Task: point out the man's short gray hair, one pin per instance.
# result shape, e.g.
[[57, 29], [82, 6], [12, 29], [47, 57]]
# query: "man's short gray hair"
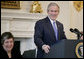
[[52, 4]]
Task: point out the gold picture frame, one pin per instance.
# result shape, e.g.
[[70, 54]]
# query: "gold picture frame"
[[10, 4]]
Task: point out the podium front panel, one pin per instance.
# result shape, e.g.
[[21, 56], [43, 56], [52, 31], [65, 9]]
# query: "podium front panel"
[[63, 49]]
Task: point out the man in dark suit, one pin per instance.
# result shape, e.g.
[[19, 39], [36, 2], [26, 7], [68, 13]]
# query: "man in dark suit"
[[45, 35]]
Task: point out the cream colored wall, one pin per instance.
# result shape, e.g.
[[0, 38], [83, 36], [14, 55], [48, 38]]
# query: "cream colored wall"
[[76, 19], [68, 14]]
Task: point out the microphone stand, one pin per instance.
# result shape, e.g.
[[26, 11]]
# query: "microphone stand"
[[78, 36]]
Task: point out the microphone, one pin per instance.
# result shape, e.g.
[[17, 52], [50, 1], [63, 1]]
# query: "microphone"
[[76, 31], [71, 30]]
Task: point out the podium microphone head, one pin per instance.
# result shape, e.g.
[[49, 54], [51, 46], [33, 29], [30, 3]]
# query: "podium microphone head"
[[71, 30], [76, 30]]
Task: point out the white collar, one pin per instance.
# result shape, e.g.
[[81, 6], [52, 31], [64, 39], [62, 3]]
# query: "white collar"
[[51, 21]]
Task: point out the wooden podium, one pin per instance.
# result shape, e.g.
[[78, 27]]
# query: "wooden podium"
[[66, 49]]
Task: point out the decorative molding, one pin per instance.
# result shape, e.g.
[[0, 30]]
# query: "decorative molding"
[[33, 16], [20, 24], [78, 5]]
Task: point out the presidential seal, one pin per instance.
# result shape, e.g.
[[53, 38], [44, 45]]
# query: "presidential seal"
[[79, 50]]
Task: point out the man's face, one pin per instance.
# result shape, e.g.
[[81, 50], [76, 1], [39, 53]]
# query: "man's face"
[[53, 12]]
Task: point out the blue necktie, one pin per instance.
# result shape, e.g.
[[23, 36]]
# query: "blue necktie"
[[55, 30]]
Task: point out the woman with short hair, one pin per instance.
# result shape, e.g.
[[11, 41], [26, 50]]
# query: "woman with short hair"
[[7, 50]]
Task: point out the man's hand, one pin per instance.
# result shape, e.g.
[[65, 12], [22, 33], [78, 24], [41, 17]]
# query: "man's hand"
[[46, 48]]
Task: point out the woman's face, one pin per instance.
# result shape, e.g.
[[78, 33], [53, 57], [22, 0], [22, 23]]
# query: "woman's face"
[[8, 44]]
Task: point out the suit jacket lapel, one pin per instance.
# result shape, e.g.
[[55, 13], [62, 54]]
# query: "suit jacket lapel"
[[58, 26], [50, 28]]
